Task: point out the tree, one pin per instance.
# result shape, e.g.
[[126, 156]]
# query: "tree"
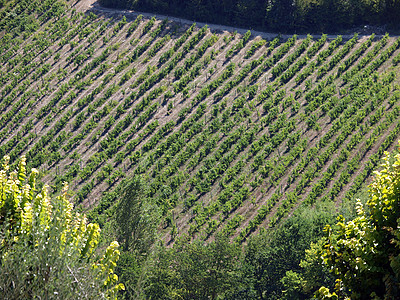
[[270, 255], [194, 270], [136, 218], [136, 222], [48, 250], [314, 274], [280, 14], [364, 254]]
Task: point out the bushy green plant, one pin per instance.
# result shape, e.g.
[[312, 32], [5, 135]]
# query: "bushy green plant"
[[46, 249], [364, 253]]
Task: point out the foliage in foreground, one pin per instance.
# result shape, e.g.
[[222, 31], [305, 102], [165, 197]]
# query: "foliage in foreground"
[[46, 249], [364, 254]]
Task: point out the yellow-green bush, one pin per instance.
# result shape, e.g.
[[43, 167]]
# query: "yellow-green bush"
[[47, 249], [364, 253]]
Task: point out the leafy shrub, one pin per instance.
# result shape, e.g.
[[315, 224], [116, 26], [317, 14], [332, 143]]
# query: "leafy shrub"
[[47, 249]]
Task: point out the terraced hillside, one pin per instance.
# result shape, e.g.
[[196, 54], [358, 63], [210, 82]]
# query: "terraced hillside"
[[232, 132]]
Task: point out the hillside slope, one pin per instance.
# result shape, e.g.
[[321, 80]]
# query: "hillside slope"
[[231, 132]]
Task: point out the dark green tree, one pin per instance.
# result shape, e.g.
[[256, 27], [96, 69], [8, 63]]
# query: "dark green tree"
[[194, 270], [136, 218], [269, 255], [136, 222], [280, 15]]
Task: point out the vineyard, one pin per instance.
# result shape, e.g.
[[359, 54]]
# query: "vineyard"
[[231, 132]]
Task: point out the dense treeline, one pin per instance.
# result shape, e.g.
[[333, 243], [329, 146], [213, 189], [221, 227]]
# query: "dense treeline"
[[277, 15]]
